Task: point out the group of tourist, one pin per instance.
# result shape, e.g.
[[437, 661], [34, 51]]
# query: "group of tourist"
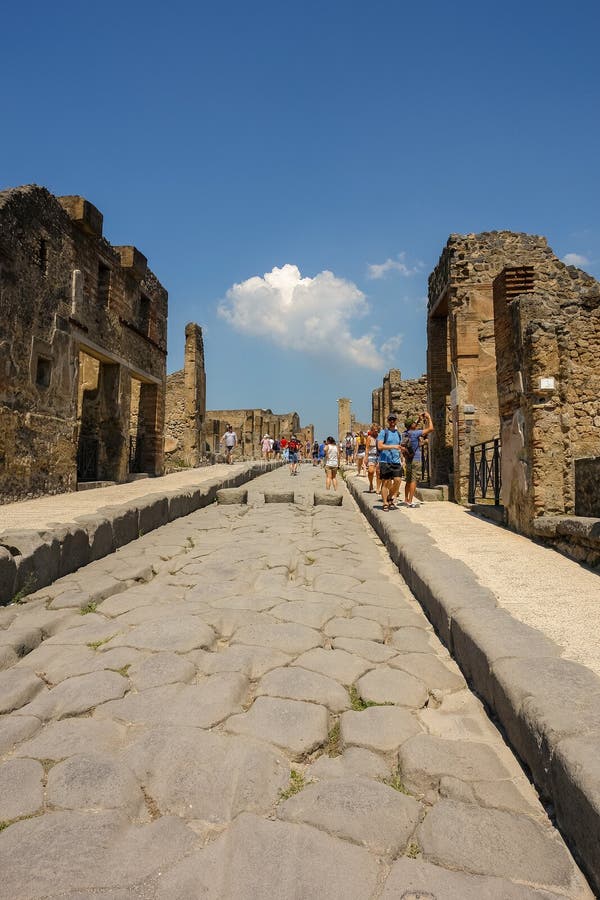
[[382, 455]]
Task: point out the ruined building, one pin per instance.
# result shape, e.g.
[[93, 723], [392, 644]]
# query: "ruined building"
[[83, 329], [251, 425], [185, 416], [395, 395], [514, 353]]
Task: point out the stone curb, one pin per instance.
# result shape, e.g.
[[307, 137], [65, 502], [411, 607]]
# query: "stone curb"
[[549, 707], [30, 560]]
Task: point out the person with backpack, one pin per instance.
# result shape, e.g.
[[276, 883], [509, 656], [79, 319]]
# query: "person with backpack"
[[390, 462], [293, 450], [411, 442], [349, 447]]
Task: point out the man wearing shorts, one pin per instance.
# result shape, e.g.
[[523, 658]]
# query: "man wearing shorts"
[[294, 450], [390, 461], [230, 441]]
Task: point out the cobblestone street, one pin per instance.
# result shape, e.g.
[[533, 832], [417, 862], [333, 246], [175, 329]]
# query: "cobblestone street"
[[249, 703]]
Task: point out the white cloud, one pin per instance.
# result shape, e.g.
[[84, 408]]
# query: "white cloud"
[[380, 270], [575, 259], [310, 315]]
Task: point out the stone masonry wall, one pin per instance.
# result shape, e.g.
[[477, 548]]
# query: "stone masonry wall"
[[250, 425], [402, 397], [461, 355], [185, 439], [64, 291], [548, 344]]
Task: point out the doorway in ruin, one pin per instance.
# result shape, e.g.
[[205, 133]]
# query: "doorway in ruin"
[[99, 441], [143, 429]]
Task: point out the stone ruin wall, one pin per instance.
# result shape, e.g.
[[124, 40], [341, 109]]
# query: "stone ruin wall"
[[402, 397], [185, 419], [461, 352], [550, 434], [67, 295]]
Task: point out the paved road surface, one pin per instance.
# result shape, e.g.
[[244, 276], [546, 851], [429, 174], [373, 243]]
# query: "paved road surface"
[[252, 705]]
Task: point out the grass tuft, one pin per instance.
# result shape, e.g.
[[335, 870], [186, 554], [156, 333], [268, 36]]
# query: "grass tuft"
[[123, 670], [413, 851], [333, 746], [90, 608], [357, 702], [297, 782], [93, 645], [395, 781], [28, 588]]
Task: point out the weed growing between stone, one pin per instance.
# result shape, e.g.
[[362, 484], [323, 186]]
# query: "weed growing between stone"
[[395, 781], [28, 588], [93, 645], [413, 851], [297, 783], [333, 748], [123, 670], [90, 608], [358, 704]]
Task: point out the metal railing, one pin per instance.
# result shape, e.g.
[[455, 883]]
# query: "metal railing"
[[425, 472], [136, 453], [484, 471]]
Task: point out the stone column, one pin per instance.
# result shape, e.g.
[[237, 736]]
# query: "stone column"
[[344, 417], [195, 395]]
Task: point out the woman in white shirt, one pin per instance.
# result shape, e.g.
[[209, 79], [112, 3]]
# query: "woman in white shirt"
[[332, 462]]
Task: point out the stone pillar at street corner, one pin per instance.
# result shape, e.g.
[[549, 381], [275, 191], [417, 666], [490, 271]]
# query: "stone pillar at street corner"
[[194, 395], [344, 417]]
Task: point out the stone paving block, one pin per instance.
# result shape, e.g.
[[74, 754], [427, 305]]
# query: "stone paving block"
[[21, 788], [181, 635], [55, 663], [335, 584], [338, 664], [314, 614], [354, 761], [230, 496], [73, 599], [161, 668], [460, 717], [387, 685], [380, 728], [389, 617], [417, 880], [295, 683], [20, 640], [37, 560], [227, 622], [496, 842], [94, 781], [17, 687], [74, 546], [519, 797], [294, 726], [414, 640], [382, 819], [8, 656], [76, 695], [202, 705], [279, 496], [207, 777], [249, 860], [384, 594], [252, 662], [14, 730], [37, 857], [354, 628], [438, 674], [124, 522], [370, 650], [94, 630], [289, 638], [424, 759], [59, 740], [251, 602]]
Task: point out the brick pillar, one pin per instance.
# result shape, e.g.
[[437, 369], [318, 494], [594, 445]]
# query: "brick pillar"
[[344, 417], [194, 395], [376, 406]]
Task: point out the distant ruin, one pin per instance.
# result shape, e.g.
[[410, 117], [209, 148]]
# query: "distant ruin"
[[83, 329], [408, 397], [185, 415], [251, 425]]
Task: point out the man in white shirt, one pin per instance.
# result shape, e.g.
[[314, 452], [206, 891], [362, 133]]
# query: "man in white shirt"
[[229, 439]]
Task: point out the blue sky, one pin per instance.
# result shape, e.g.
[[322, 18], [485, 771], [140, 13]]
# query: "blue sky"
[[228, 141]]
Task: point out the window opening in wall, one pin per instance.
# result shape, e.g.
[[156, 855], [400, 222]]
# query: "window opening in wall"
[[143, 322], [43, 256], [43, 371], [103, 284]]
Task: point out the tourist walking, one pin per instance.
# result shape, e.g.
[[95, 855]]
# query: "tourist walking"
[[266, 446], [229, 440], [332, 463], [349, 447], [315, 453], [293, 451], [322, 452], [371, 460], [390, 462], [413, 456], [361, 449]]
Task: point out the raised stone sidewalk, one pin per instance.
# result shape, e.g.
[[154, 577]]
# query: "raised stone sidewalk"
[[46, 538], [246, 703], [522, 622]]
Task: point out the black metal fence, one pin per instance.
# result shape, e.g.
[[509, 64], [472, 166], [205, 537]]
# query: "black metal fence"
[[136, 451], [425, 473], [484, 472]]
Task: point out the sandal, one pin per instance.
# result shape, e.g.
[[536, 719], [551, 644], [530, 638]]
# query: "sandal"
[[385, 507]]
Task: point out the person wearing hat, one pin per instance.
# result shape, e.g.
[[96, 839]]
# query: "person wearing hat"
[[390, 461]]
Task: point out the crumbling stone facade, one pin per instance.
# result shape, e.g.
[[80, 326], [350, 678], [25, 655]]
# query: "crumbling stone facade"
[[461, 352], [83, 329], [344, 417], [185, 438], [395, 395], [547, 330]]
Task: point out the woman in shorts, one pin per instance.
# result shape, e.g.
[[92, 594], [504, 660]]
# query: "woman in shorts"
[[332, 462], [361, 449], [371, 458]]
